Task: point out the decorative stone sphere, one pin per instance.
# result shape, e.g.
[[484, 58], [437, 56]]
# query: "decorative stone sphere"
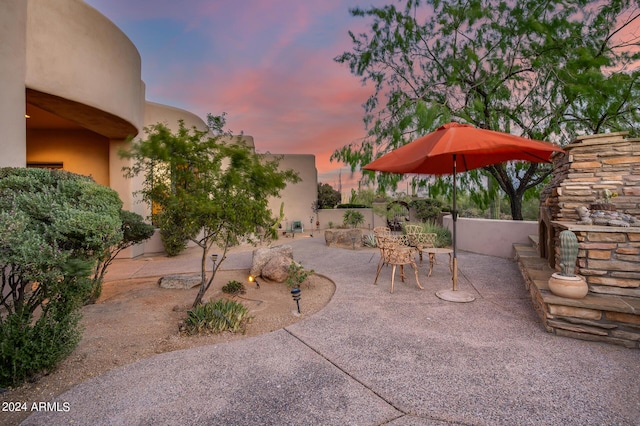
[[570, 287]]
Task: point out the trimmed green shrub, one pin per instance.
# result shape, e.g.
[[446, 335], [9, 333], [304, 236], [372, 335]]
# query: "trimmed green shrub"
[[234, 287], [172, 234], [54, 226], [29, 351], [217, 316], [297, 275], [351, 206]]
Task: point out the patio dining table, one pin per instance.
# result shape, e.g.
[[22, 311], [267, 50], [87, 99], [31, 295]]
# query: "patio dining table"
[[424, 242], [432, 251]]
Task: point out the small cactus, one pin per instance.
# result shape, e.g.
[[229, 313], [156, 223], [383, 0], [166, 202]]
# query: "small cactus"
[[568, 253]]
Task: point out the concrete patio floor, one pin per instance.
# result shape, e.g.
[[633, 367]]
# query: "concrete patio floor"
[[373, 358]]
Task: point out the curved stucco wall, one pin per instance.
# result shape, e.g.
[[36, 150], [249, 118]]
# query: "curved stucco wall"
[[13, 16], [76, 53], [157, 113]]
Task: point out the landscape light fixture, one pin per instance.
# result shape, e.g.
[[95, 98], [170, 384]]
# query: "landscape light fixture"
[[295, 293], [214, 259], [253, 279], [353, 242]]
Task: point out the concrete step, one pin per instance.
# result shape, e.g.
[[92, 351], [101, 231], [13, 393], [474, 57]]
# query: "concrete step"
[[525, 250]]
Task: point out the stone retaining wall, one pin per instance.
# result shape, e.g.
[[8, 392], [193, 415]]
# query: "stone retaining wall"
[[608, 258], [346, 238]]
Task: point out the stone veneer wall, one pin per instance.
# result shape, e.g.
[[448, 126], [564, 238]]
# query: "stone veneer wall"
[[591, 165], [608, 258]]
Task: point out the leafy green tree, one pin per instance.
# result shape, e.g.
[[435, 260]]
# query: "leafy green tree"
[[215, 190], [364, 197], [427, 210], [328, 197], [548, 70], [53, 227]]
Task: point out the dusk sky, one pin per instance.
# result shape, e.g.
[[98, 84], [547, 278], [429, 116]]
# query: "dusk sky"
[[267, 63]]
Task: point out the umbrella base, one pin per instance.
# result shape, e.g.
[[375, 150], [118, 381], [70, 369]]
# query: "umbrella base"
[[455, 296]]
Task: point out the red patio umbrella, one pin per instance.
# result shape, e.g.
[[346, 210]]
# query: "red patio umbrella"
[[457, 147]]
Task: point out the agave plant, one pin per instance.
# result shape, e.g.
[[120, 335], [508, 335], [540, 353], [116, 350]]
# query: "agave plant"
[[369, 240], [217, 316]]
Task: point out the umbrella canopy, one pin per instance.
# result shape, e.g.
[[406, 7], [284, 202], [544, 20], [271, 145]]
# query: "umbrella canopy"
[[457, 147], [432, 154]]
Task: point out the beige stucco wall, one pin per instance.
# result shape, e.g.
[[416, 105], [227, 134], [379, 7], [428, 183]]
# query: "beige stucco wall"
[[336, 217], [80, 151], [76, 53], [13, 17], [155, 113], [299, 197], [491, 237]]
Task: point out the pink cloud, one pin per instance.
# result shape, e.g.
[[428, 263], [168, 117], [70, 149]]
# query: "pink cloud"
[[268, 64], [296, 112]]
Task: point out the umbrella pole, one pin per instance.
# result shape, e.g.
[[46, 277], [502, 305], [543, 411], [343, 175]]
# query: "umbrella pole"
[[455, 295], [454, 275]]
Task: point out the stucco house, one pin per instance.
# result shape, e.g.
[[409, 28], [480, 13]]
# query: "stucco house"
[[72, 94]]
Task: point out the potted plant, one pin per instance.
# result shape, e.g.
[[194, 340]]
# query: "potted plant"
[[566, 283]]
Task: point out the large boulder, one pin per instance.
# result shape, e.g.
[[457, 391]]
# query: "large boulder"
[[277, 268], [263, 255], [343, 237], [180, 281]]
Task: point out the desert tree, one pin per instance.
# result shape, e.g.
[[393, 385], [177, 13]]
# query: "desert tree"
[[548, 70], [209, 183], [328, 197]]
